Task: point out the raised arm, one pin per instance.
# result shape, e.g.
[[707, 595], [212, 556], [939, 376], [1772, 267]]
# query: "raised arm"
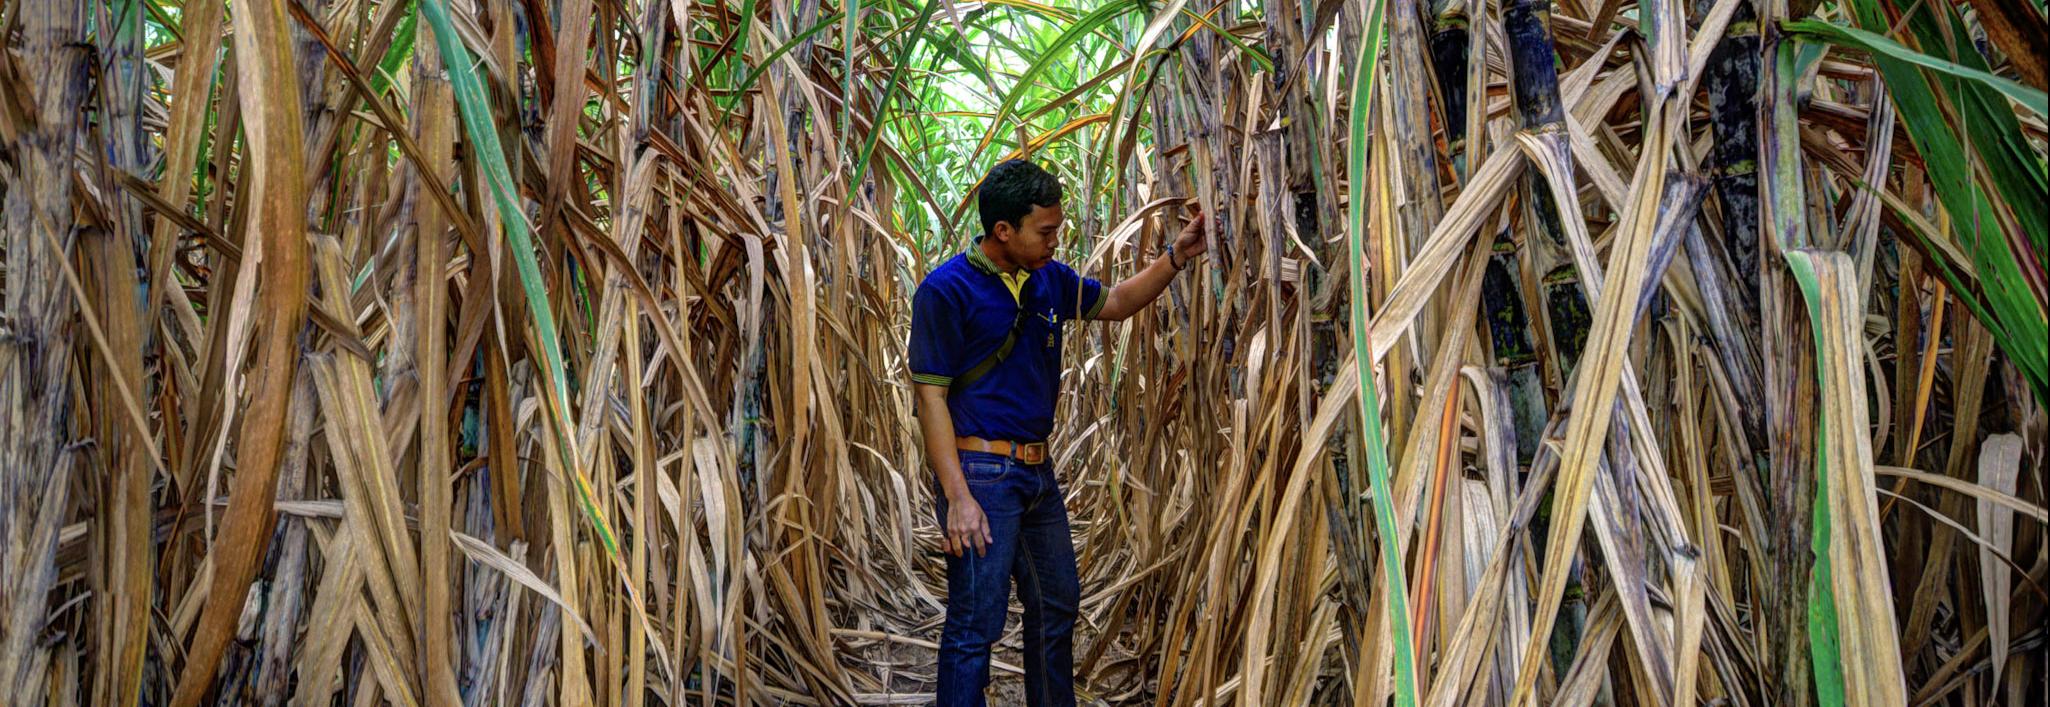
[[1133, 294]]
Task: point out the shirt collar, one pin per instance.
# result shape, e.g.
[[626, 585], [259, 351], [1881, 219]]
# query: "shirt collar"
[[1013, 281], [982, 262]]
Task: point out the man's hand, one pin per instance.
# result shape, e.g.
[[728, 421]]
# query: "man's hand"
[[966, 528], [1130, 296], [1193, 240]]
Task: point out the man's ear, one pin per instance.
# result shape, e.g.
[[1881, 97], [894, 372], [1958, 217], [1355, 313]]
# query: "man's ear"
[[1002, 231]]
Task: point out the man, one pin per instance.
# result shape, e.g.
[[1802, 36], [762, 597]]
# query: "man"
[[986, 364]]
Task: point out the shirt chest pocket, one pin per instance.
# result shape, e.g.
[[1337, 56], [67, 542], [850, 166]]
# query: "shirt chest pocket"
[[1040, 327]]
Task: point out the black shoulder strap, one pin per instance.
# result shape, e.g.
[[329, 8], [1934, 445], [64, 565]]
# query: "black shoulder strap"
[[983, 368]]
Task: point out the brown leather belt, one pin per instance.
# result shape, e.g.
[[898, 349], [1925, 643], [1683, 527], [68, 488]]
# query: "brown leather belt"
[[1030, 453]]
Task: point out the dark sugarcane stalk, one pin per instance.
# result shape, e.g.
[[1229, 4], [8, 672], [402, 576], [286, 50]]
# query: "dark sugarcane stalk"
[[1569, 318], [1731, 82], [1502, 298], [1534, 82], [1450, 51], [1509, 332], [1534, 73]]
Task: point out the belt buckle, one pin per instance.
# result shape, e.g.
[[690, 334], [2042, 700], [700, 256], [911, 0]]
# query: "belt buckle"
[[1033, 453]]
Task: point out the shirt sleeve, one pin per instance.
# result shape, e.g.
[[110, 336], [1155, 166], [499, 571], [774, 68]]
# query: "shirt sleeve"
[[936, 337], [1080, 297]]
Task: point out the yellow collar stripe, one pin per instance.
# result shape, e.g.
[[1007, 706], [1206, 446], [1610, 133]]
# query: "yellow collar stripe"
[[1016, 282]]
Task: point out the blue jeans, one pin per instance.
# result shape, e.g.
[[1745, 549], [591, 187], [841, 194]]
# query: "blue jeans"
[[1029, 523]]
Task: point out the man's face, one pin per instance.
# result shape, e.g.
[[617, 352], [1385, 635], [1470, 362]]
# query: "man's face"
[[1031, 244]]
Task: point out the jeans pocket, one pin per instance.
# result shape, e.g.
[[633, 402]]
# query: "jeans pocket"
[[982, 472]]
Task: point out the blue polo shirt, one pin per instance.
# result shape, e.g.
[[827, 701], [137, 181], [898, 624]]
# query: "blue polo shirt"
[[961, 315]]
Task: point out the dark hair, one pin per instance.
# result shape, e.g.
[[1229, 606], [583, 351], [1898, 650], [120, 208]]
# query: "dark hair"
[[1011, 189]]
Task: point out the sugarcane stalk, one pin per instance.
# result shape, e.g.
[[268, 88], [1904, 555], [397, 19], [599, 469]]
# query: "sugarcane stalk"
[[1731, 301], [288, 587], [36, 228], [1409, 91], [1509, 334], [1790, 392], [1566, 316], [1534, 82], [1570, 280], [1533, 68], [1731, 83], [1450, 45], [122, 535]]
